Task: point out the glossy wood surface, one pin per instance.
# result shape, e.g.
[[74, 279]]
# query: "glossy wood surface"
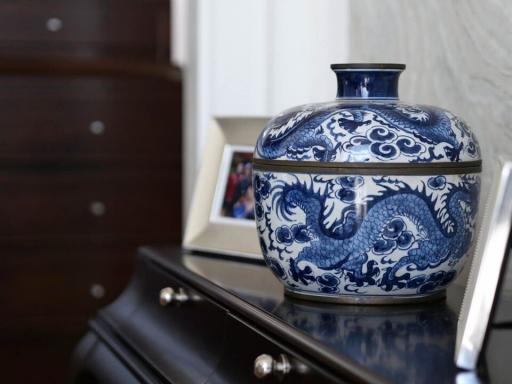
[[94, 28], [200, 340], [52, 118], [46, 303], [341, 343], [90, 166], [128, 204]]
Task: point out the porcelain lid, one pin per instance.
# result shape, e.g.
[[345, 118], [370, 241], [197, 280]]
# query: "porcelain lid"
[[367, 132], [368, 124]]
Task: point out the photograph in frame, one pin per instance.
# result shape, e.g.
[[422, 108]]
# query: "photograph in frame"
[[234, 198]]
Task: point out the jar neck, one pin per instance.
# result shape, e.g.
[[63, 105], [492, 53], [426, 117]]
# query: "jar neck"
[[369, 84]]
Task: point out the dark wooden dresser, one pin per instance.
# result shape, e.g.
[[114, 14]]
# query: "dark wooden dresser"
[[198, 318], [90, 166]]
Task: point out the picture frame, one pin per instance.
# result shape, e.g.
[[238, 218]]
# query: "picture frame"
[[216, 214], [487, 271], [215, 222]]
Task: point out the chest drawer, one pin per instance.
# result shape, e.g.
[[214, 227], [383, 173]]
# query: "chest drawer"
[[115, 28], [42, 287], [248, 353], [185, 338], [124, 204], [90, 118]]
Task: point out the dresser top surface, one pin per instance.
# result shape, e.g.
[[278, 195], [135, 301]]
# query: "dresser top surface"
[[398, 343]]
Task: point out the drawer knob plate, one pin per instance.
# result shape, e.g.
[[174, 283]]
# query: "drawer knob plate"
[[265, 365]]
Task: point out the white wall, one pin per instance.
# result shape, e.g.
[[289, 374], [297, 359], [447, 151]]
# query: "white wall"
[[255, 58], [458, 56]]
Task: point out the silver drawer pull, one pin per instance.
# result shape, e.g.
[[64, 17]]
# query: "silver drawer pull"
[[265, 365], [168, 295], [54, 24]]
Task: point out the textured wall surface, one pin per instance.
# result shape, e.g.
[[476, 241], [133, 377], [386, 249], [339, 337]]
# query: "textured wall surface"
[[458, 56]]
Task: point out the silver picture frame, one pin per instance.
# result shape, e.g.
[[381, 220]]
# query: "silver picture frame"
[[206, 230], [488, 261]]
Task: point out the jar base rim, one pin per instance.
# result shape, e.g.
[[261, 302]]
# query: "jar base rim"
[[366, 299]]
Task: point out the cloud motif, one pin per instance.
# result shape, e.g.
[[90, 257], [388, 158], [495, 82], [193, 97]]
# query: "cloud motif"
[[394, 235], [386, 151], [261, 187], [301, 233], [328, 283], [394, 229], [437, 182], [405, 240], [258, 209], [381, 135], [427, 283], [298, 233], [384, 246], [284, 235], [473, 149], [346, 195], [349, 184], [384, 144], [276, 267], [409, 147]]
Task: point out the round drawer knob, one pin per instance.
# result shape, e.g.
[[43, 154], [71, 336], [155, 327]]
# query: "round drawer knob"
[[97, 127], [265, 365], [54, 24], [97, 291], [97, 208], [168, 295]]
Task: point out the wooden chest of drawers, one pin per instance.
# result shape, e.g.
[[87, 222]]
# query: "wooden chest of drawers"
[[90, 165], [232, 323], [136, 30], [204, 339], [128, 204], [83, 118]]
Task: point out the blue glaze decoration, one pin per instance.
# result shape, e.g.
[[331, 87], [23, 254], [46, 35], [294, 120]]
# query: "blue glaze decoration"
[[374, 84], [397, 234], [367, 132], [359, 234]]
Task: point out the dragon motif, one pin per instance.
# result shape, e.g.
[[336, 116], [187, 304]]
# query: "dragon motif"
[[318, 132], [431, 226], [428, 124], [295, 134]]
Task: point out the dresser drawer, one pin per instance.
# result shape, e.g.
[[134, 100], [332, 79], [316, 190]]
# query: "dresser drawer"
[[141, 205], [44, 288], [90, 118], [243, 357], [185, 338], [137, 29]]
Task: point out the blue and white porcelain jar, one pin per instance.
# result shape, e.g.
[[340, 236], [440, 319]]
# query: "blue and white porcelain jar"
[[366, 199]]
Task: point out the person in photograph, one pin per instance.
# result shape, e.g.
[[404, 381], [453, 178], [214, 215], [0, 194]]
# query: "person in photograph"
[[232, 188], [244, 207], [239, 198]]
